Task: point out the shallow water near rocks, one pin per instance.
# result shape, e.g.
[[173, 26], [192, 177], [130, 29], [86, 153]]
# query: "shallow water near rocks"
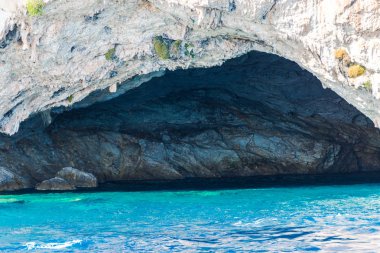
[[288, 219]]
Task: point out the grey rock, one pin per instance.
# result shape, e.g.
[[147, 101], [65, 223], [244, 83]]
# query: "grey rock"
[[78, 178], [308, 32], [226, 121], [9, 181], [55, 184]]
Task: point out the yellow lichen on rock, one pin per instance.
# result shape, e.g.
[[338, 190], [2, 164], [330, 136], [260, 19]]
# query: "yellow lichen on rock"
[[355, 71], [340, 54]]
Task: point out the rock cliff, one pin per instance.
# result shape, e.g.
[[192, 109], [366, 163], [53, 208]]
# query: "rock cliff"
[[224, 121], [59, 54], [94, 83]]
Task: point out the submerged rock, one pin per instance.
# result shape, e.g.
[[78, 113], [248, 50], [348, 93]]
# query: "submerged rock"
[[55, 184], [78, 178], [9, 181]]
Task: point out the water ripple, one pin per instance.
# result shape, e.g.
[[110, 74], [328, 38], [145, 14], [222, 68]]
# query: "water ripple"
[[303, 219]]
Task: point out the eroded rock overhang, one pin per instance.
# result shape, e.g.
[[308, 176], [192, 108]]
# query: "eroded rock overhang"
[[77, 47], [226, 121]]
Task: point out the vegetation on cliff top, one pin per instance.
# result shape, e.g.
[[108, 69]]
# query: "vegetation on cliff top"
[[35, 7]]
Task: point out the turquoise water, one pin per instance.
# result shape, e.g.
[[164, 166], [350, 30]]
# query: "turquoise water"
[[302, 219]]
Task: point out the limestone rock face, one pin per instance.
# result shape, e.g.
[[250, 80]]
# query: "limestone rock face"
[[226, 121], [259, 115], [78, 178], [76, 48], [55, 184], [9, 181]]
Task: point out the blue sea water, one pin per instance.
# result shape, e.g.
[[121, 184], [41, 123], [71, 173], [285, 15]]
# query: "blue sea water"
[[288, 219]]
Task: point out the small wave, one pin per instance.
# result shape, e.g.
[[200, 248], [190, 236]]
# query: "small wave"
[[254, 223], [11, 201], [64, 245]]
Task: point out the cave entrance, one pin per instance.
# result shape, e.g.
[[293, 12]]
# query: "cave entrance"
[[258, 114], [255, 115]]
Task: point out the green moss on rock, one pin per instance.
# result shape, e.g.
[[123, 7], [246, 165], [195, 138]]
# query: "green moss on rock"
[[35, 7], [368, 85], [189, 50], [70, 98], [177, 45], [110, 54], [161, 48]]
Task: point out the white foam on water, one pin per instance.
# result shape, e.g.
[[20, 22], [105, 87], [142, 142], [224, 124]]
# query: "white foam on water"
[[64, 245], [254, 223]]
